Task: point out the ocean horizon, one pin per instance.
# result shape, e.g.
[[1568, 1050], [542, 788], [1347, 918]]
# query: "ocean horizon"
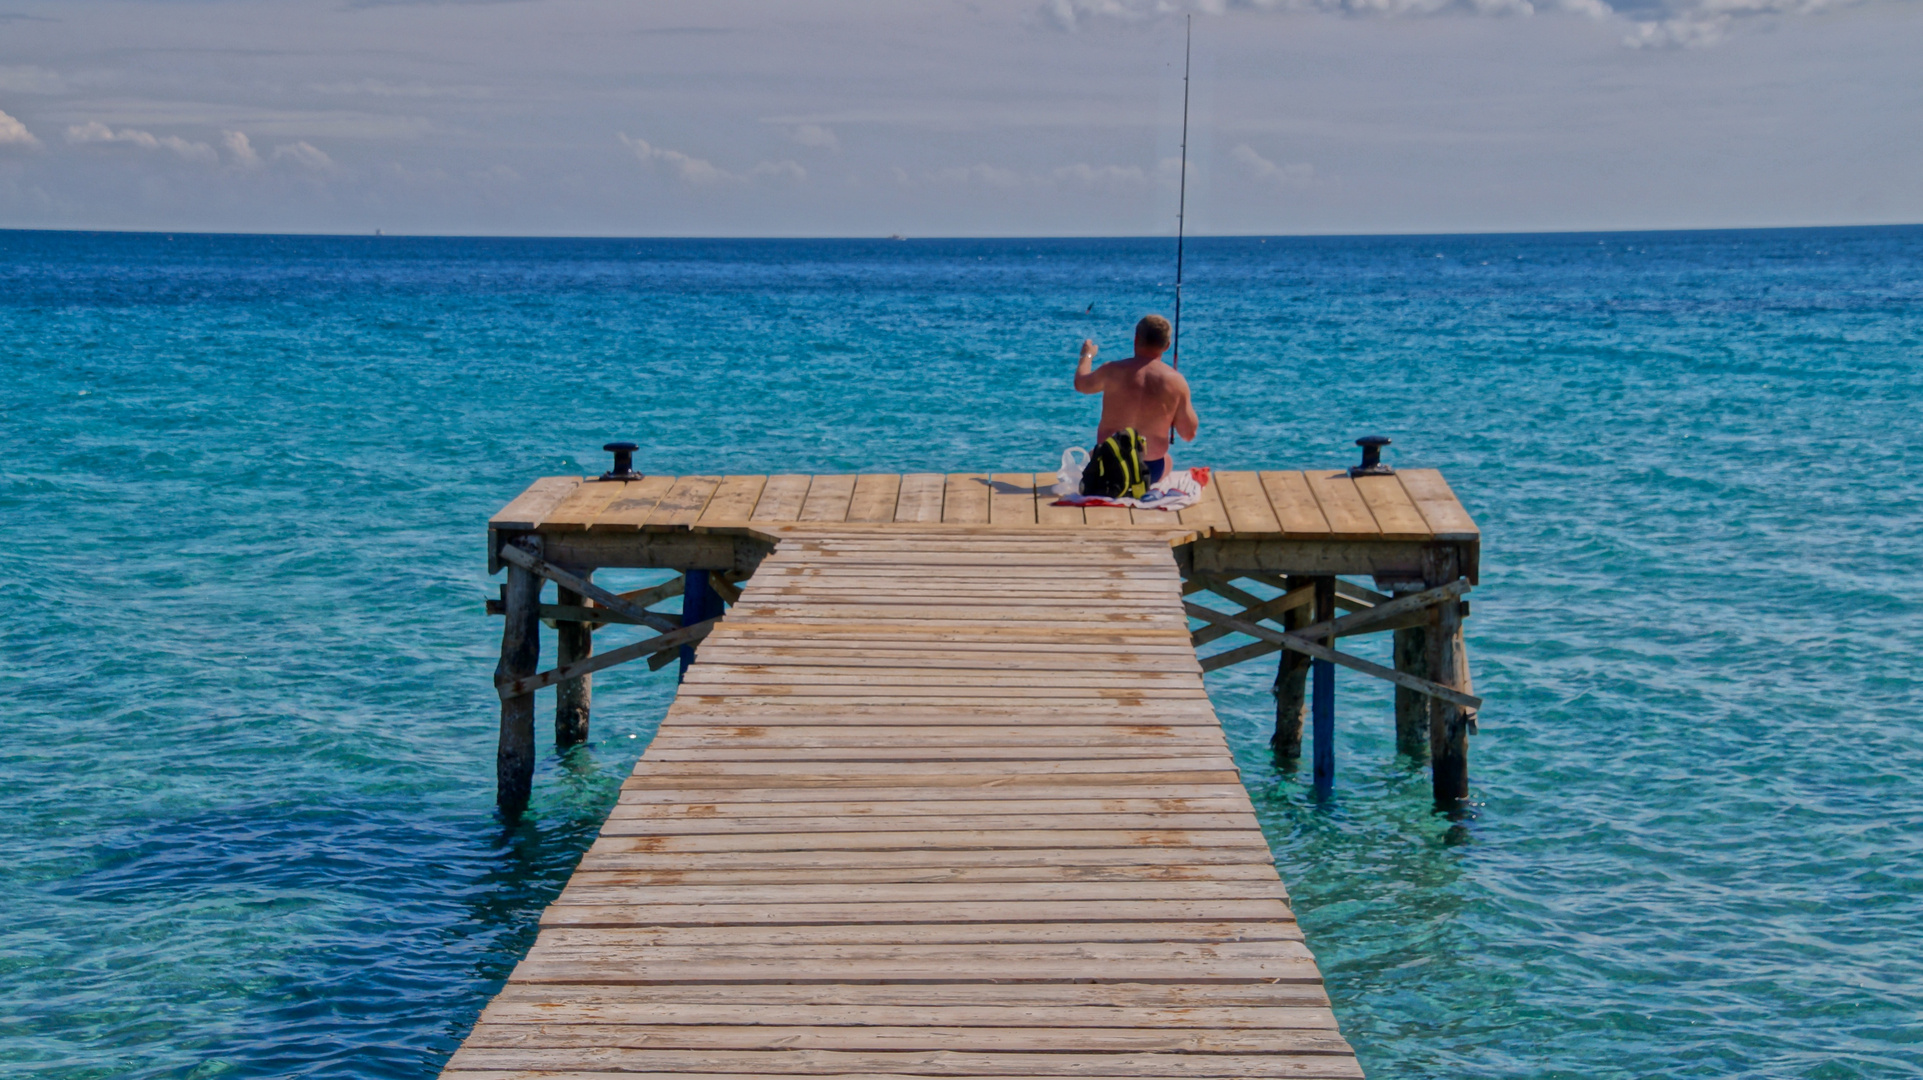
[[247, 706]]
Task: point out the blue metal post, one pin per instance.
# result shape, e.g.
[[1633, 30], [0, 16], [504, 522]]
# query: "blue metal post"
[[1322, 696], [698, 604]]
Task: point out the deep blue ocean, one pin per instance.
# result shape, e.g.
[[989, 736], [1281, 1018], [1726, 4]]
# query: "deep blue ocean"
[[246, 720]]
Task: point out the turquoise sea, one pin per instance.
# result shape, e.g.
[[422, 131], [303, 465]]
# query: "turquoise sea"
[[247, 728]]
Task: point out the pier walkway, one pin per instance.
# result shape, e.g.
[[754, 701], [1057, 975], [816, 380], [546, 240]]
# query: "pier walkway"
[[942, 793], [930, 803]]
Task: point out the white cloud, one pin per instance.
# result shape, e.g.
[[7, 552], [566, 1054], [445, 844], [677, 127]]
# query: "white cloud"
[[815, 135], [701, 171], [307, 156], [1080, 175], [1298, 174], [1653, 23], [240, 149], [94, 131], [1088, 175], [15, 136]]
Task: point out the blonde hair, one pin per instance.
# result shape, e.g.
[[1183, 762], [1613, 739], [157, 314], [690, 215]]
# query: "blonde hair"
[[1153, 331]]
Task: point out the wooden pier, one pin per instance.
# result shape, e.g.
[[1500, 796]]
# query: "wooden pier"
[[942, 793]]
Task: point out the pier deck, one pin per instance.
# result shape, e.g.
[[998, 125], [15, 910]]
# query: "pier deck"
[[929, 805], [943, 793]]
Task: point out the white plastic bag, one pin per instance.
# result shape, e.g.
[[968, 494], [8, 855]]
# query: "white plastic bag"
[[1068, 481]]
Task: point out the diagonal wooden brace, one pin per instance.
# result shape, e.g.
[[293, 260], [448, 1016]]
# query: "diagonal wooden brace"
[[611, 600], [1262, 609], [659, 643], [1298, 643], [1362, 621]]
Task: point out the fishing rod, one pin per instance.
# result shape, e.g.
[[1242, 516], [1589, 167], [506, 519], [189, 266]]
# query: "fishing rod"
[[1181, 206], [1182, 199]]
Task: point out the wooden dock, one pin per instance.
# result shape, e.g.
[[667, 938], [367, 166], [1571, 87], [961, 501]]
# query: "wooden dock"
[[942, 793]]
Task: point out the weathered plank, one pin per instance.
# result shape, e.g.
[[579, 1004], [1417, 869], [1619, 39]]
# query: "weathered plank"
[[631, 509], [828, 498], [875, 497], [683, 504], [734, 500], [1296, 509], [782, 498], [532, 506], [921, 497]]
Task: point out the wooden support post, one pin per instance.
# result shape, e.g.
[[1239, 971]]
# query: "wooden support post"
[[573, 698], [520, 657], [699, 603], [1449, 723], [1412, 708], [1322, 707], [1291, 687]]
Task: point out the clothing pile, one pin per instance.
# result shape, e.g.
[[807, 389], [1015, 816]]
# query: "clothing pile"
[[1178, 489]]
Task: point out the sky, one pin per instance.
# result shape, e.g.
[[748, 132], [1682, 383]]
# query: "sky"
[[940, 118]]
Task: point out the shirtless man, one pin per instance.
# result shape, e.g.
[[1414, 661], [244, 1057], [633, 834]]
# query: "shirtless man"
[[1142, 393]]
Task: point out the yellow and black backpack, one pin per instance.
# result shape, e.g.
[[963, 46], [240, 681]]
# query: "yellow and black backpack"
[[1115, 469]]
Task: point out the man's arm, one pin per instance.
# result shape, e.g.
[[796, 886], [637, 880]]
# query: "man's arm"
[[1088, 381], [1186, 422]]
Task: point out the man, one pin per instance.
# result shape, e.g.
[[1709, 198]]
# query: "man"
[[1141, 392]]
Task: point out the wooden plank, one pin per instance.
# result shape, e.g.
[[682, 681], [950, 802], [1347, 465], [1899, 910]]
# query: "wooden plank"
[[1107, 517], [585, 503], [559, 1033], [1438, 504], [1046, 513], [530, 507], [634, 821], [1394, 512], [1196, 932], [828, 498], [734, 500], [631, 510], [921, 497], [722, 814], [1342, 504], [875, 497], [659, 910], [782, 498], [1111, 998], [1011, 501], [1246, 503], [965, 499], [880, 1065], [528, 1006], [1294, 504], [683, 504], [1208, 512]]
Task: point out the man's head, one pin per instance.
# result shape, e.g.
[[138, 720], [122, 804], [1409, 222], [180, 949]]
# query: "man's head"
[[1152, 334]]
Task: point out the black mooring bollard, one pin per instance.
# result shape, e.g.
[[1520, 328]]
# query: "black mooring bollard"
[[623, 461], [1371, 457]]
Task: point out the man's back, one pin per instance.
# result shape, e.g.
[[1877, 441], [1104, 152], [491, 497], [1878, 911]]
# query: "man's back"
[[1147, 395], [1141, 392]]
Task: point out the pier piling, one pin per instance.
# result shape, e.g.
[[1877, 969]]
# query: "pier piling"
[[573, 698], [1411, 649], [1449, 722], [520, 657], [1323, 708], [1291, 686]]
